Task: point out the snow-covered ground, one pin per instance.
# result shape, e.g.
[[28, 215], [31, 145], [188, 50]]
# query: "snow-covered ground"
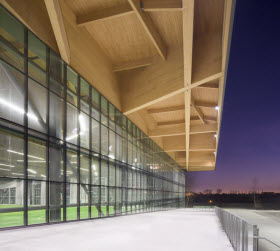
[[178, 230]]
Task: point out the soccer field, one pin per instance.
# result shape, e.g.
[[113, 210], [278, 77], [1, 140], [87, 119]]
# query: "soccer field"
[[39, 216]]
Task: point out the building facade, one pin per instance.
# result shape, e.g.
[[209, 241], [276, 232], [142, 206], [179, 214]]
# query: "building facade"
[[66, 152]]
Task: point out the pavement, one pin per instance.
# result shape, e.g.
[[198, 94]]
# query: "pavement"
[[268, 222], [177, 230]]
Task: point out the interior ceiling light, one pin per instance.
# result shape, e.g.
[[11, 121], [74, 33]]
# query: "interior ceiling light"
[[7, 165], [17, 109], [19, 153]]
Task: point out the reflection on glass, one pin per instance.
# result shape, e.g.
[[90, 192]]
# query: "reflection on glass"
[[36, 59], [84, 130], [37, 106], [12, 40], [12, 94]]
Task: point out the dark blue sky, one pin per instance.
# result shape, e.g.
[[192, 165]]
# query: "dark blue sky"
[[250, 133]]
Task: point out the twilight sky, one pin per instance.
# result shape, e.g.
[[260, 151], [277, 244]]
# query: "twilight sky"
[[250, 133]]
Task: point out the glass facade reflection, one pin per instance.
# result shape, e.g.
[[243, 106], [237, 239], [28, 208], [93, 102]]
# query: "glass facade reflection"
[[66, 153]]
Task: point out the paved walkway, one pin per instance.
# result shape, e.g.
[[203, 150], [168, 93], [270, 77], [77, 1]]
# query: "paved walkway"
[[268, 222], [177, 230]]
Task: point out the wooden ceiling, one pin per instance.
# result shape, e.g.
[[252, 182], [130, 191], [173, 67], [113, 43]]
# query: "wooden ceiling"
[[161, 62]]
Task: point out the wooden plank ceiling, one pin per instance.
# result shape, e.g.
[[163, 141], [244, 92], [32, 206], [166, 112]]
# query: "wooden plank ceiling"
[[168, 58]]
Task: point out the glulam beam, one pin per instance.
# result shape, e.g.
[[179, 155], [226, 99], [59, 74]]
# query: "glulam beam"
[[149, 27], [133, 64], [55, 15], [188, 26], [104, 14], [162, 132], [161, 5]]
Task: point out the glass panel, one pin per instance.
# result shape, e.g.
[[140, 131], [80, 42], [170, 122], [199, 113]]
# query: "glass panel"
[[56, 116], [84, 168], [11, 94], [95, 137], [95, 165], [37, 106], [84, 201], [56, 161], [56, 202], [37, 159], [84, 96], [72, 124], [84, 130], [36, 202], [95, 201], [36, 59], [118, 176], [11, 154], [56, 74], [111, 117], [72, 80], [71, 202], [104, 172], [112, 174], [124, 150], [72, 166], [12, 40], [104, 111], [118, 200], [112, 144], [112, 201], [11, 202], [104, 201], [95, 105], [104, 140]]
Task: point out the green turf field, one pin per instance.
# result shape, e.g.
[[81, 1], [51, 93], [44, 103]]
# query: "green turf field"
[[39, 216]]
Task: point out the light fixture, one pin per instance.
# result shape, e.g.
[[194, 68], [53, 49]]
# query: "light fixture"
[[7, 165], [19, 153], [111, 156], [84, 169], [44, 176], [95, 173], [217, 108], [4, 169], [17, 109], [93, 166], [215, 135], [31, 171], [32, 161], [72, 137], [17, 173]]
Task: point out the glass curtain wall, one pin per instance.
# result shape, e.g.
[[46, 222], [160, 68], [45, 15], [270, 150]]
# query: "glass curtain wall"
[[66, 153]]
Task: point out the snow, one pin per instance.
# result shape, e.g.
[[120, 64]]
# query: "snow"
[[164, 231]]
